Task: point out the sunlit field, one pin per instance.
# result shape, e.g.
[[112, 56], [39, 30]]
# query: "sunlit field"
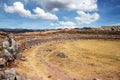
[[86, 59]]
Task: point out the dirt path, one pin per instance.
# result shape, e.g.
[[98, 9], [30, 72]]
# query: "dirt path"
[[35, 61], [55, 73], [32, 62]]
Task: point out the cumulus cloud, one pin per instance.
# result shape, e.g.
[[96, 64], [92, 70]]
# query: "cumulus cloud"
[[84, 5], [39, 13], [86, 18], [17, 7]]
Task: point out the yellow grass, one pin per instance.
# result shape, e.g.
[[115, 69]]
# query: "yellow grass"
[[32, 67], [87, 58]]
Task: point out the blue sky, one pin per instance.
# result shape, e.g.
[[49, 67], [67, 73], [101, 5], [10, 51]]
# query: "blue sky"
[[52, 14]]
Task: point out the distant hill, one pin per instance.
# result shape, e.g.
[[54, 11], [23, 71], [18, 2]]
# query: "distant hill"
[[106, 28], [17, 30]]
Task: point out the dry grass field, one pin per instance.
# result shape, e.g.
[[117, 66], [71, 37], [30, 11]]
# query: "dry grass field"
[[86, 59]]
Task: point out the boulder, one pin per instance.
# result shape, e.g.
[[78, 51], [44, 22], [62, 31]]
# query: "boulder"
[[8, 74], [62, 55]]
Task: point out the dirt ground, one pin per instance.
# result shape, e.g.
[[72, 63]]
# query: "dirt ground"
[[86, 59]]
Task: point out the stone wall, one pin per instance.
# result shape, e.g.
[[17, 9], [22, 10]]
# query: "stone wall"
[[112, 28], [27, 40]]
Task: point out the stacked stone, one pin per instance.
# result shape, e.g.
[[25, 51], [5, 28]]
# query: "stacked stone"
[[111, 28], [8, 56]]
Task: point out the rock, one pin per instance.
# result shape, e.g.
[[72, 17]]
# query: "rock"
[[2, 62], [95, 79], [62, 55], [19, 55], [8, 74]]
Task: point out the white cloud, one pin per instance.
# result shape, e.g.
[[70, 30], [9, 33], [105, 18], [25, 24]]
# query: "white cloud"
[[67, 24], [84, 5], [81, 6], [63, 24], [41, 14], [86, 18], [18, 8]]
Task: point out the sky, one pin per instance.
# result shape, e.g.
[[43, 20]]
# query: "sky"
[[53, 14]]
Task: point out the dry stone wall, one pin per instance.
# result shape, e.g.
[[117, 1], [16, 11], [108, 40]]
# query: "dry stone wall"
[[112, 28], [27, 40]]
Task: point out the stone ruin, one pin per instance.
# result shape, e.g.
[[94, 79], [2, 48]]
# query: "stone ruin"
[[9, 50], [9, 75], [111, 28], [9, 55]]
